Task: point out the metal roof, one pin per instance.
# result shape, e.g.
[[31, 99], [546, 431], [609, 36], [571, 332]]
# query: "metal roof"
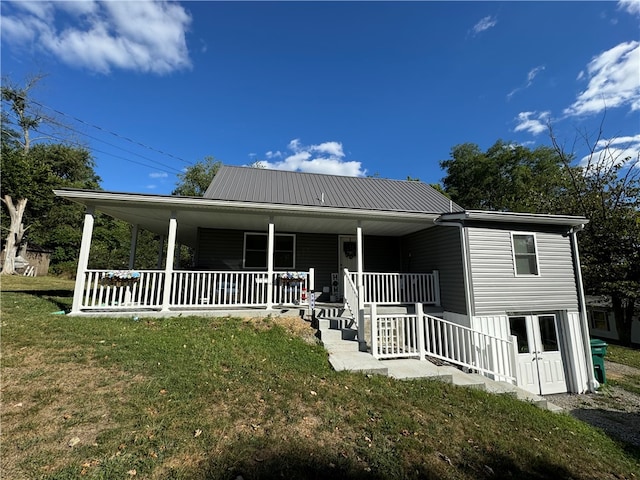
[[259, 185]]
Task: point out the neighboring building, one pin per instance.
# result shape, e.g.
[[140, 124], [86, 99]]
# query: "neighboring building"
[[267, 239], [602, 323]]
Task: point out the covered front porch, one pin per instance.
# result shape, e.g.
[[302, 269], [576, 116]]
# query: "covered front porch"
[[308, 254]]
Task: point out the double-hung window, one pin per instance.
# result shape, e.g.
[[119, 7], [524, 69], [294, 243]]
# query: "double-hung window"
[[255, 251], [525, 254]]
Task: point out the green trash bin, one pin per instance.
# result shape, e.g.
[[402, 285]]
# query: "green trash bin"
[[598, 351]]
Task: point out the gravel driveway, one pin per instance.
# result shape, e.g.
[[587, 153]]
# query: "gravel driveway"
[[612, 409]]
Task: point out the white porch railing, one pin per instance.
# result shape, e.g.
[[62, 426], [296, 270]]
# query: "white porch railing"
[[192, 289], [400, 288], [102, 292], [418, 335]]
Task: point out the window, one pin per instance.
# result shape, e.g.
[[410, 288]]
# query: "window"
[[524, 254], [519, 329], [255, 251], [599, 320]]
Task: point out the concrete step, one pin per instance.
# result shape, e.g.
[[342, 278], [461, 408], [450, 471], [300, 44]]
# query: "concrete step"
[[342, 344], [355, 361]]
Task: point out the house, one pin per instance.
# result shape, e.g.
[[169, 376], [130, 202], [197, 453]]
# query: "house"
[[602, 323], [498, 293]]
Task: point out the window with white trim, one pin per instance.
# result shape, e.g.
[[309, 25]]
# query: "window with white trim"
[[525, 254], [255, 250], [599, 320]]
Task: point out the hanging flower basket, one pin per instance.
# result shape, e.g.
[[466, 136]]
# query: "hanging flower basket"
[[120, 278], [292, 277]]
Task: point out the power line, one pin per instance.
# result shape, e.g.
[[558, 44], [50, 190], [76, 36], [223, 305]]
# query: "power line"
[[78, 144], [97, 127]]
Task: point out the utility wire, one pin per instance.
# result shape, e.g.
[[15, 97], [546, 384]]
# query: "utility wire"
[[97, 127], [78, 144]]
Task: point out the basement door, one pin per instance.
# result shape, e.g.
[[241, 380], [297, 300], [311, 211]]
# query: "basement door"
[[539, 363]]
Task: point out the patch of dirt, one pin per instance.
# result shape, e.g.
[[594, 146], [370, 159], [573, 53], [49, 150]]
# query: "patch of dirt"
[[613, 409], [53, 407]]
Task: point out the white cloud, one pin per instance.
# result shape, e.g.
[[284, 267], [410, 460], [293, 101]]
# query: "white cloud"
[[533, 73], [614, 81], [327, 157], [630, 6], [532, 122], [144, 36], [158, 175], [484, 24], [615, 151]]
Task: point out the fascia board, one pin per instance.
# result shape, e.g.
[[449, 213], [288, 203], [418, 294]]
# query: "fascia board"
[[95, 198]]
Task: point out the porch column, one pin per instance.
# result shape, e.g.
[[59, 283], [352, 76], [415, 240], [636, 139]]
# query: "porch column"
[[160, 250], [83, 260], [270, 252], [132, 249], [168, 265], [362, 344]]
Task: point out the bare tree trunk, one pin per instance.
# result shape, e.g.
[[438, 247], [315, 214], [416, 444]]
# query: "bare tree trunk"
[[16, 233]]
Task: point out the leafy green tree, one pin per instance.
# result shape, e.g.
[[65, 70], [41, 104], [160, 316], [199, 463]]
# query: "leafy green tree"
[[605, 188], [195, 180], [507, 177]]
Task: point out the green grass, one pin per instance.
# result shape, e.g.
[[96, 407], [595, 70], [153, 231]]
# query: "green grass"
[[204, 398], [624, 355]]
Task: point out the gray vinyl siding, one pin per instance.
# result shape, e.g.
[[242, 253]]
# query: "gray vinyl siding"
[[320, 252], [496, 288], [381, 254], [219, 249], [438, 248]]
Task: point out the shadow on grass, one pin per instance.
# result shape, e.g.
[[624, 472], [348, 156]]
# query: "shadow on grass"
[[623, 427], [61, 298], [306, 464]]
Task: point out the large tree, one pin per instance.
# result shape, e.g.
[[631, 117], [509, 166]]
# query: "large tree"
[[507, 177], [195, 180], [605, 187]]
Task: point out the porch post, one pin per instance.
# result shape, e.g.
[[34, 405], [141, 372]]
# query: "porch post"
[[168, 265], [362, 344], [83, 260], [270, 251], [422, 349], [132, 249]]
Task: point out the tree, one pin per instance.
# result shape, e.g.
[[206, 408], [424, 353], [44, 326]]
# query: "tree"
[[507, 177], [605, 188], [195, 180], [17, 99]]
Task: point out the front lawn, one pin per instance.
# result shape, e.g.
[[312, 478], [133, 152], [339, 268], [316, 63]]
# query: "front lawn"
[[204, 398]]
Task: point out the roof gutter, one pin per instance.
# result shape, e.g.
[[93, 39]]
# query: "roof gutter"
[[584, 327]]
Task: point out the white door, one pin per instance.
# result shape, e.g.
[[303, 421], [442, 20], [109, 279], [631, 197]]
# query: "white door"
[[540, 368], [347, 258]]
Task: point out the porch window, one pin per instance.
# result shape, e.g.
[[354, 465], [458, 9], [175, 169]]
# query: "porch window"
[[255, 250], [599, 320], [525, 254]]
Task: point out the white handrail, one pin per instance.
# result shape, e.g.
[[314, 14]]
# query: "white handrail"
[[400, 288], [419, 335]]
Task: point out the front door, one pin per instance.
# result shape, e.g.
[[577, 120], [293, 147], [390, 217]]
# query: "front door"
[[540, 368], [347, 258]]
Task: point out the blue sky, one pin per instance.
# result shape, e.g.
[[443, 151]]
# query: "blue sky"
[[349, 88]]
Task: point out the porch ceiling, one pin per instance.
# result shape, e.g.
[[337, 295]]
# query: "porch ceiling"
[[152, 213]]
